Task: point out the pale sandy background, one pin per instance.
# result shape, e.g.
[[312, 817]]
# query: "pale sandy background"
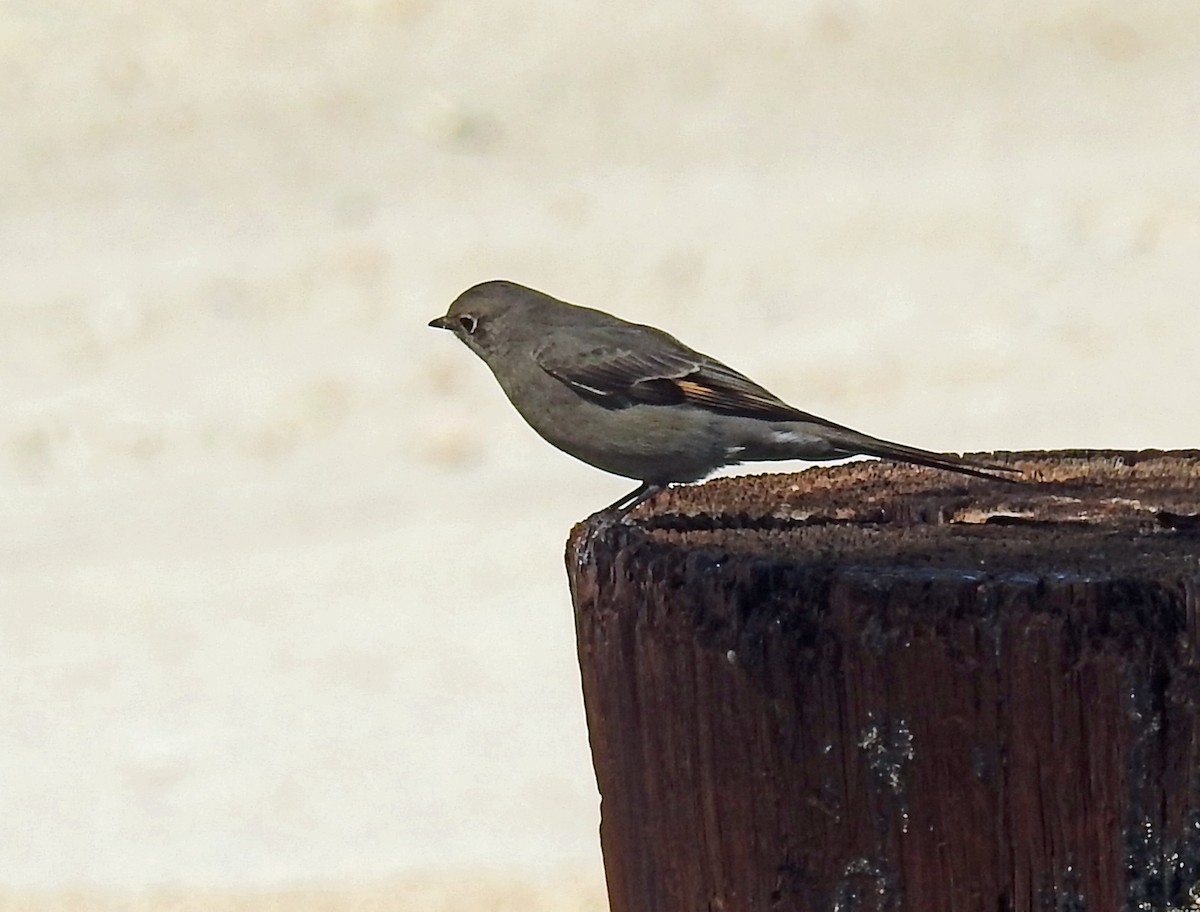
[[282, 605]]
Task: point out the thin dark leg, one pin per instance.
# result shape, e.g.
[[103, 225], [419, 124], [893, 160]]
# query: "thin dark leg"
[[640, 495]]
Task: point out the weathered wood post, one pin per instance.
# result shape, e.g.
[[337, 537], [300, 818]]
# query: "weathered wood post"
[[875, 687]]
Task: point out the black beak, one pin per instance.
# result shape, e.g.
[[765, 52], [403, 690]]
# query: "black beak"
[[441, 323]]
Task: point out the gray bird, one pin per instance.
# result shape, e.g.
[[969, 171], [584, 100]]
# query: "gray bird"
[[633, 400]]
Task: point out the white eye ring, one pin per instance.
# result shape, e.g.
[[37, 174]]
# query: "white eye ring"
[[468, 323]]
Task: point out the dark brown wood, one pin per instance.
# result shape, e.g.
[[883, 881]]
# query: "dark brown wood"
[[874, 687]]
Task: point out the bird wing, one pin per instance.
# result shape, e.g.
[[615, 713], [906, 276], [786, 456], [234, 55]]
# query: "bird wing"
[[617, 376], [660, 370]]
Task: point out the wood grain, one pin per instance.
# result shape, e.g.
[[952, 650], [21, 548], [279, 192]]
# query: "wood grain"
[[875, 687]]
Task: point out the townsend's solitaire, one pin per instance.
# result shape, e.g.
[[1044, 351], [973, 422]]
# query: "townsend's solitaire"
[[634, 401]]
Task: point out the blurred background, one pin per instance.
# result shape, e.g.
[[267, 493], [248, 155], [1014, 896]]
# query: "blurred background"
[[283, 615]]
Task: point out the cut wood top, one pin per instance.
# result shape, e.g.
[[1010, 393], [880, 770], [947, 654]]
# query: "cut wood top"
[[1077, 513]]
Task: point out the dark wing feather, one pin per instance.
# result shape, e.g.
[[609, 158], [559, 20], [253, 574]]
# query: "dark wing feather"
[[618, 377], [665, 372]]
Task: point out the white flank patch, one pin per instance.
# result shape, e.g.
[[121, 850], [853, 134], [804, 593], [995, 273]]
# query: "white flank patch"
[[807, 440]]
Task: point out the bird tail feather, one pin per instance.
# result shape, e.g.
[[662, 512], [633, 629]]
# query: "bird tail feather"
[[885, 449]]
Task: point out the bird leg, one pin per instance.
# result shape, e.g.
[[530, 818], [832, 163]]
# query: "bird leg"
[[639, 495]]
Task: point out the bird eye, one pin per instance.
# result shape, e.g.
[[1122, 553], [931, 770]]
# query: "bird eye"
[[468, 323]]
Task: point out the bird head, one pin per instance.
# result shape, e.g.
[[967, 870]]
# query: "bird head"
[[490, 315]]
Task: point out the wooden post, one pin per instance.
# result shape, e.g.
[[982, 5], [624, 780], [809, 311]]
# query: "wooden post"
[[875, 687]]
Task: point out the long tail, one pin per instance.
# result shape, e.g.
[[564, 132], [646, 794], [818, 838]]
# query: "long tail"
[[854, 444]]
